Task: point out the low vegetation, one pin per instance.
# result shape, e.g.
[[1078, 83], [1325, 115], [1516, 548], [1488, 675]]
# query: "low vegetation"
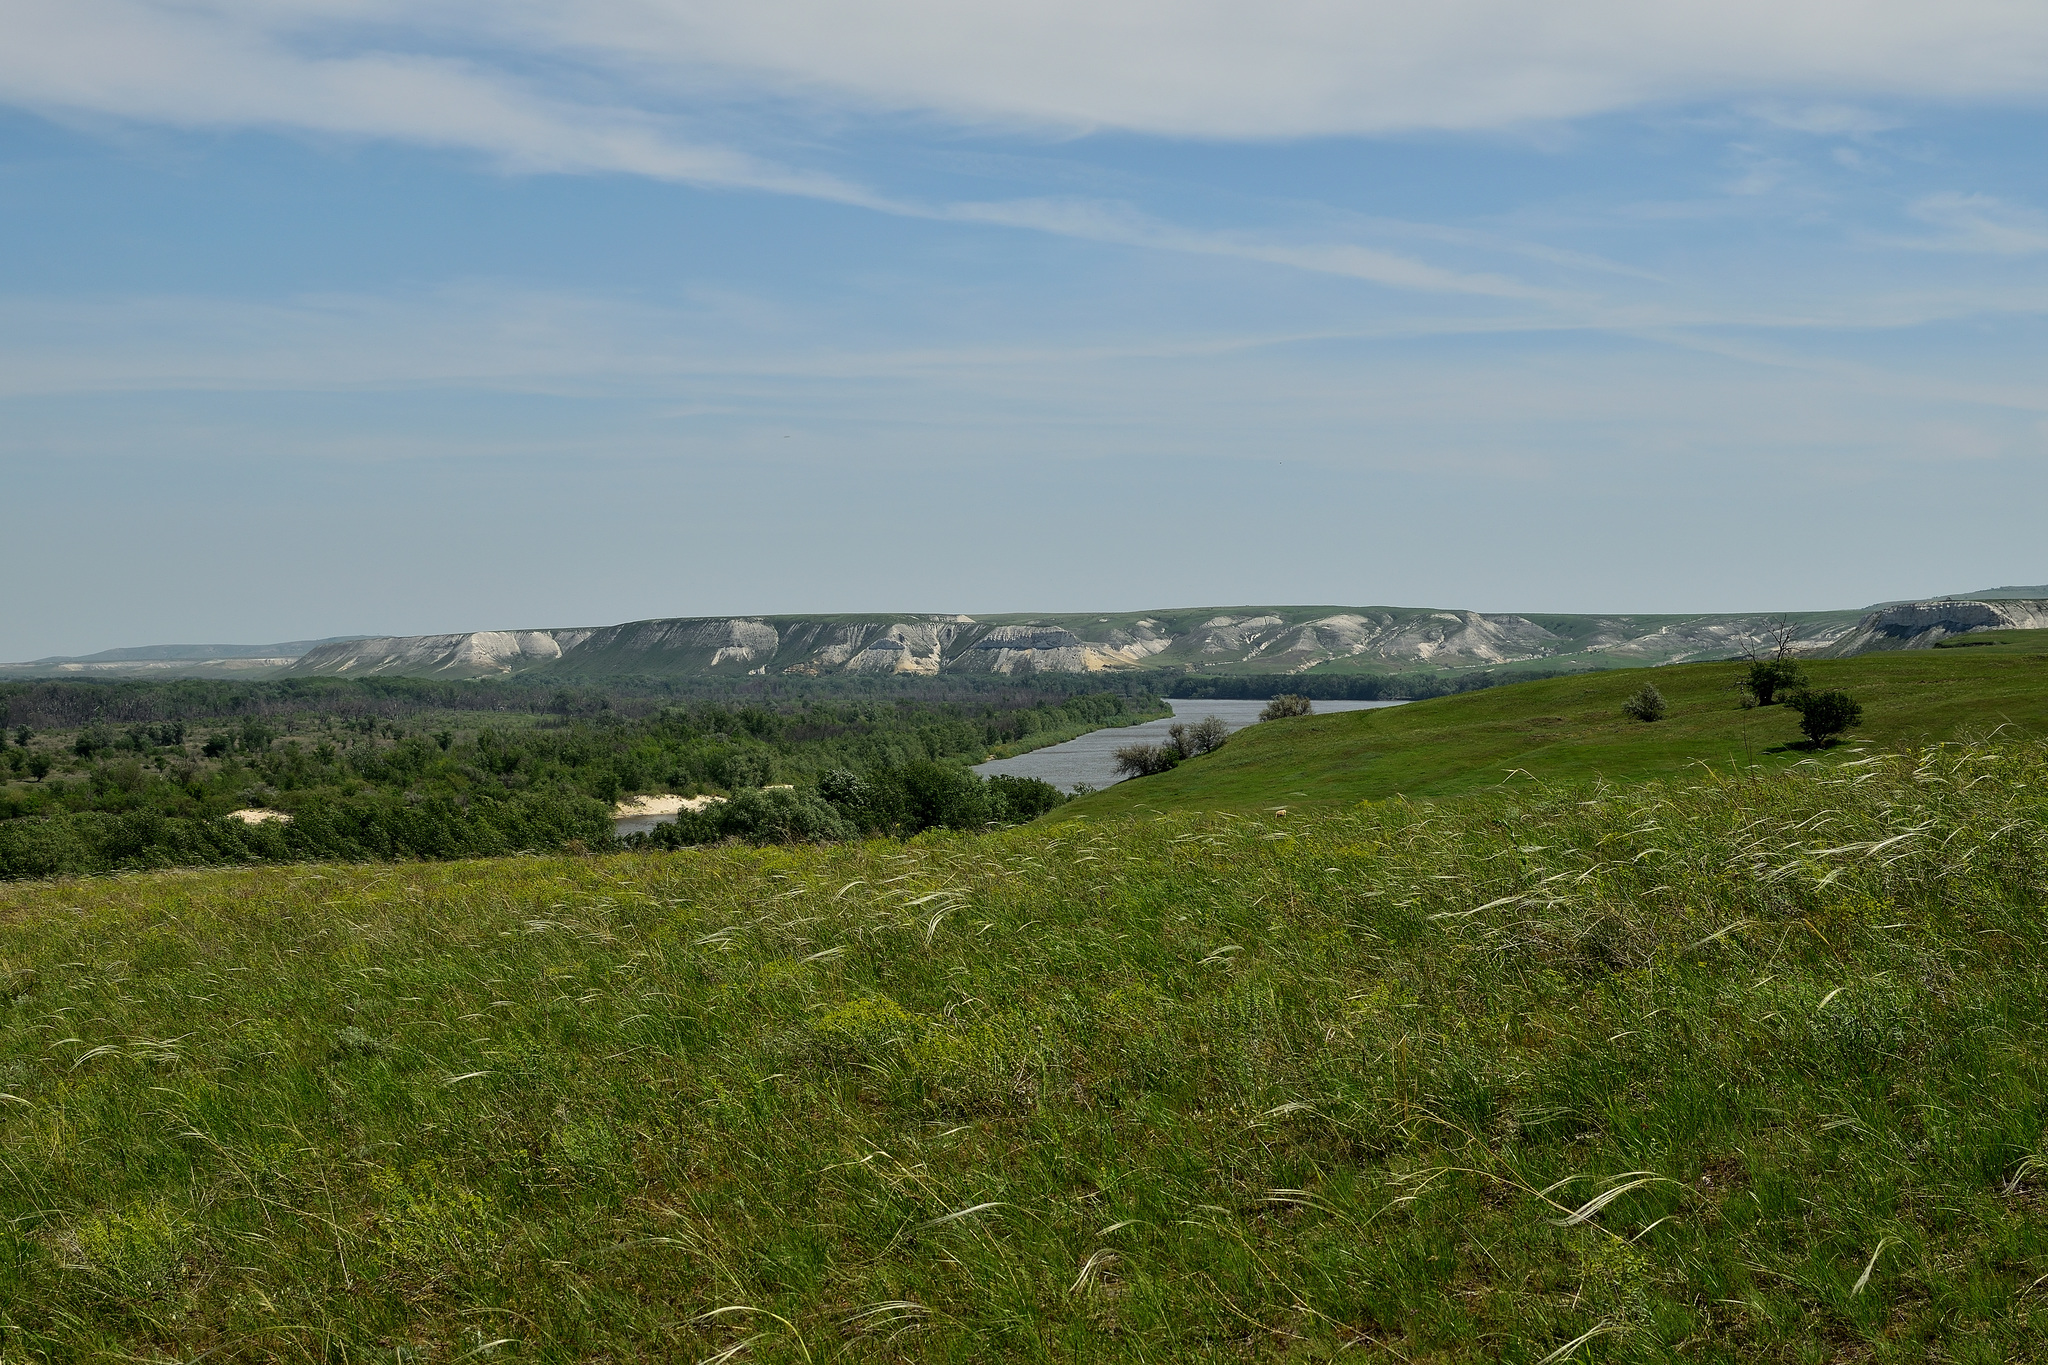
[[1742, 1068]]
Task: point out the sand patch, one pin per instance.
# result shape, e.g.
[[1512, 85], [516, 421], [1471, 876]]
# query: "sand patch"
[[662, 805], [256, 815]]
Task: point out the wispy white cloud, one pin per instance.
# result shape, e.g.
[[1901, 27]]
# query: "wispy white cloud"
[[1220, 68], [218, 67], [1825, 119], [488, 337], [1978, 224], [1096, 221], [627, 87], [513, 77], [153, 63]]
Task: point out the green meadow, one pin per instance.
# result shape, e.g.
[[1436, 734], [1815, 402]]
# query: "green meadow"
[[1727, 1065], [1573, 729]]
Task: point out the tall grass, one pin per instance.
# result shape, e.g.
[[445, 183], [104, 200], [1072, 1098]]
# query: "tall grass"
[[1717, 1070]]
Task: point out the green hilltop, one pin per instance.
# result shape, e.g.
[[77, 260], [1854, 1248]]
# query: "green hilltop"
[[1570, 729]]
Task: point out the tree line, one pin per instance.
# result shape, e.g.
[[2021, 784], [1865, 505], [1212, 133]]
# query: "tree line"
[[156, 793]]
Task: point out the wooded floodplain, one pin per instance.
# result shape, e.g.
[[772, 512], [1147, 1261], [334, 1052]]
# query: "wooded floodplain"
[[143, 775]]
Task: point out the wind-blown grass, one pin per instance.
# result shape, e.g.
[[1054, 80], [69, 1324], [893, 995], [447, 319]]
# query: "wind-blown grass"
[[1717, 1069]]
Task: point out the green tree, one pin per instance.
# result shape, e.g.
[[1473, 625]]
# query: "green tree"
[[1824, 715], [1773, 680], [39, 765]]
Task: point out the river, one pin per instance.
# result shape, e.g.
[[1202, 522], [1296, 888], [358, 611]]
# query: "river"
[[1091, 759]]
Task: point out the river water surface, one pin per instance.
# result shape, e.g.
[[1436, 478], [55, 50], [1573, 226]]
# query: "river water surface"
[[1091, 759]]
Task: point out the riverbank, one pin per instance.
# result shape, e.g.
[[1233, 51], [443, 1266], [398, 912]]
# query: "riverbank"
[[1089, 760], [1045, 739]]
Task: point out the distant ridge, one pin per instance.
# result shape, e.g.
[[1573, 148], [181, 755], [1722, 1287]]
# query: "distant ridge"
[[1184, 642], [289, 649], [174, 661], [1215, 642], [2039, 592]]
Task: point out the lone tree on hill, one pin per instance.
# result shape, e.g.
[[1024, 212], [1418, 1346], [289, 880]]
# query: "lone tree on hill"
[[1285, 705], [1824, 715], [1772, 680], [1646, 705]]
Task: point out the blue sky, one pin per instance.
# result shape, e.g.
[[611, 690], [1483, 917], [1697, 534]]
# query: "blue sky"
[[344, 316]]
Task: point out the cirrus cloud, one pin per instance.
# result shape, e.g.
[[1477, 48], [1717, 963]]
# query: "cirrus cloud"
[[523, 78]]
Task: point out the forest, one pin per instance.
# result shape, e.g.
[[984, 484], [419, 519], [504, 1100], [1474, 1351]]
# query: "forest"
[[95, 777]]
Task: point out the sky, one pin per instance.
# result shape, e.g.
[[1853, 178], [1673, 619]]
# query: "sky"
[[325, 317]]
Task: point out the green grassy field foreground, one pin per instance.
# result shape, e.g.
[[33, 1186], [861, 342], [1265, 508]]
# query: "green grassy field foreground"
[[1573, 728], [1723, 1070]]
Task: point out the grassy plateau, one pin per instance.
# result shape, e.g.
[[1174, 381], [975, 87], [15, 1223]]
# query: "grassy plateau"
[[1718, 1067], [1573, 728]]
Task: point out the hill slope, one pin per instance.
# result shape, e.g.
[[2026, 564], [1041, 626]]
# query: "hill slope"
[[1573, 728], [1721, 1070]]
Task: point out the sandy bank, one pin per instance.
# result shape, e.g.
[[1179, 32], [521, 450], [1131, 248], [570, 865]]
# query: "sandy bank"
[[661, 805]]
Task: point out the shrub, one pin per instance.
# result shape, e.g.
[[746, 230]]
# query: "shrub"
[[1772, 680], [738, 768], [1646, 705], [1285, 705], [782, 817], [933, 795], [1204, 736], [1013, 800], [849, 792], [1824, 715], [1143, 760]]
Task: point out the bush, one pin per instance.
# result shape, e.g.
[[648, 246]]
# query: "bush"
[[1824, 715], [1013, 800], [1285, 705], [1646, 705], [849, 792], [1204, 736], [1143, 760], [1772, 680], [782, 816]]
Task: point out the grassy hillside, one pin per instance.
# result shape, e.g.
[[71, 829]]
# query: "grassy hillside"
[[1573, 728], [1721, 1070]]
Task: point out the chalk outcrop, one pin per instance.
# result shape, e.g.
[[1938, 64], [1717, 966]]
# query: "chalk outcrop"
[[1236, 640], [1922, 625]]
